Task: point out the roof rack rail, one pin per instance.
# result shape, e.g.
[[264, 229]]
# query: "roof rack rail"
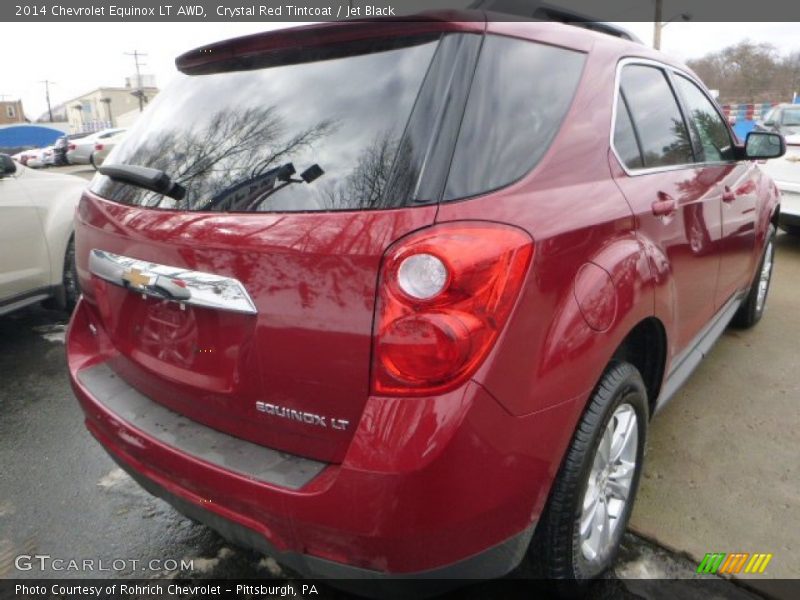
[[543, 11]]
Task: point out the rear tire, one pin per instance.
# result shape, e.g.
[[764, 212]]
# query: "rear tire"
[[752, 309], [791, 229], [579, 533], [72, 290]]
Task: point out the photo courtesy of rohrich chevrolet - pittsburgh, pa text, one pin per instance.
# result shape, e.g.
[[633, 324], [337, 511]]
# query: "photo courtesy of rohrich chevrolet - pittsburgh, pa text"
[[399, 299]]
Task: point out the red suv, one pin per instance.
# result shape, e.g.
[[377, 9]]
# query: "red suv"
[[400, 298]]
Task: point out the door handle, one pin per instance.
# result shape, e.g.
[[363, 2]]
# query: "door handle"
[[665, 205], [728, 195]]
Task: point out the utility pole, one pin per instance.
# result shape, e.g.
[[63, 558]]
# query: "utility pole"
[[658, 24], [136, 55], [47, 83]]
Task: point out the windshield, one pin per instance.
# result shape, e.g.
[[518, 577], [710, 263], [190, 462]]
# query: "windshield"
[[791, 117], [236, 139]]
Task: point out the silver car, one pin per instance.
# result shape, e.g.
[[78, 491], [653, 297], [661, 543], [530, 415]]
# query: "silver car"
[[785, 171], [79, 151]]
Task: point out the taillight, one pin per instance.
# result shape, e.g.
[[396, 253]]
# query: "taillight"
[[98, 147], [71, 146], [445, 294]]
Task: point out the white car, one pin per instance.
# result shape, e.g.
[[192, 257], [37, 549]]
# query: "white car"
[[79, 151], [42, 157], [785, 171], [102, 147], [37, 251]]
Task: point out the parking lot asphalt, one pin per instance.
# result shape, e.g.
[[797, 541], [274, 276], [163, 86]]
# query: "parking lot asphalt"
[[721, 473]]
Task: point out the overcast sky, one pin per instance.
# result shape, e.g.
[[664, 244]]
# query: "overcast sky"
[[82, 56]]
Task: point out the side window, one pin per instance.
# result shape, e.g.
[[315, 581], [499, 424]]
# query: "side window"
[[520, 94], [710, 128], [656, 117], [625, 142]]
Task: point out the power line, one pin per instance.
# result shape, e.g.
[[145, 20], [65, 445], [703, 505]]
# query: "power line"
[[139, 92]]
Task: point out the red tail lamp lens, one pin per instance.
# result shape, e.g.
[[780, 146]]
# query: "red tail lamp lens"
[[445, 295]]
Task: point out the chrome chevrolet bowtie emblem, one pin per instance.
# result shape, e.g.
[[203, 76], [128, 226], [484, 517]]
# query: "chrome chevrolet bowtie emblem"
[[173, 284], [136, 278]]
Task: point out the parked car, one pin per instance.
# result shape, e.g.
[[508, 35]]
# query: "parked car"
[[103, 147], [80, 151], [437, 350], [40, 158], [786, 173], [37, 250], [62, 145], [783, 119], [26, 155]]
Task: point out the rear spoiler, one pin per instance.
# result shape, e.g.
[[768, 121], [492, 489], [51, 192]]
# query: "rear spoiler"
[[314, 42]]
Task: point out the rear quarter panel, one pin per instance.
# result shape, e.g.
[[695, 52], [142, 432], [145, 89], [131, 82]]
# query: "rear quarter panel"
[[549, 353]]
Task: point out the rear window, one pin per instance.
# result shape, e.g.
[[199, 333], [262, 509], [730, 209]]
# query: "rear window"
[[233, 139], [791, 117]]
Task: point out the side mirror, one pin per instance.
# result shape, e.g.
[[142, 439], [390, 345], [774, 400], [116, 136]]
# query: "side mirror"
[[7, 165], [762, 145]]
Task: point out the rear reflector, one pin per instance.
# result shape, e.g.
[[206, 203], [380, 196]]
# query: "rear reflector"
[[444, 296]]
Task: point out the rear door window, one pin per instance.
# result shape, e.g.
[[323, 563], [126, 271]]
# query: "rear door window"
[[706, 121], [625, 142], [520, 95], [656, 117], [308, 136]]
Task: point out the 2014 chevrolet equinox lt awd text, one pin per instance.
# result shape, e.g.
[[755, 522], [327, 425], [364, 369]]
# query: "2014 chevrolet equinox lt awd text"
[[400, 298]]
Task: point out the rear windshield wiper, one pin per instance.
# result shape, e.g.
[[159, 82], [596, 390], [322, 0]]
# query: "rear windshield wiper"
[[248, 194], [154, 180]]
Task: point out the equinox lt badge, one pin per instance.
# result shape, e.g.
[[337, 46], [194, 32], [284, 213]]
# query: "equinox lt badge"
[[301, 416]]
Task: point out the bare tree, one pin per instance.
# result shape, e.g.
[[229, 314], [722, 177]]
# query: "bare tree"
[[749, 73]]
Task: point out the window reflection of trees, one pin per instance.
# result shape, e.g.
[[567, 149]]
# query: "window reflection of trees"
[[233, 161], [233, 148], [677, 152]]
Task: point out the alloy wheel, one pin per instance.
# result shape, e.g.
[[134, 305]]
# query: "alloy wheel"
[[610, 483]]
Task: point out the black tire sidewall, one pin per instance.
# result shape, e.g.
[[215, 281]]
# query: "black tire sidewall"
[[71, 292], [555, 552], [757, 314], [748, 314], [631, 391]]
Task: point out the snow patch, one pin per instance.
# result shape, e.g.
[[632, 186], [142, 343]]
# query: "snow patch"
[[113, 478], [644, 567], [52, 333], [270, 565]]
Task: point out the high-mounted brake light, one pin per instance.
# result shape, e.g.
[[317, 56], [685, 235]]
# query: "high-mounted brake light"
[[444, 296]]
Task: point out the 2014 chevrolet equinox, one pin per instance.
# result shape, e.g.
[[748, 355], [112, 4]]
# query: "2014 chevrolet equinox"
[[439, 345]]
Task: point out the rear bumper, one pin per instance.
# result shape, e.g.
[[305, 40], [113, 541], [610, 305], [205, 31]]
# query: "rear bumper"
[[491, 563], [444, 487]]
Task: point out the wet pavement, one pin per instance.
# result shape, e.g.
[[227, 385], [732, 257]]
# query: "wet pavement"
[[722, 472], [61, 495]]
